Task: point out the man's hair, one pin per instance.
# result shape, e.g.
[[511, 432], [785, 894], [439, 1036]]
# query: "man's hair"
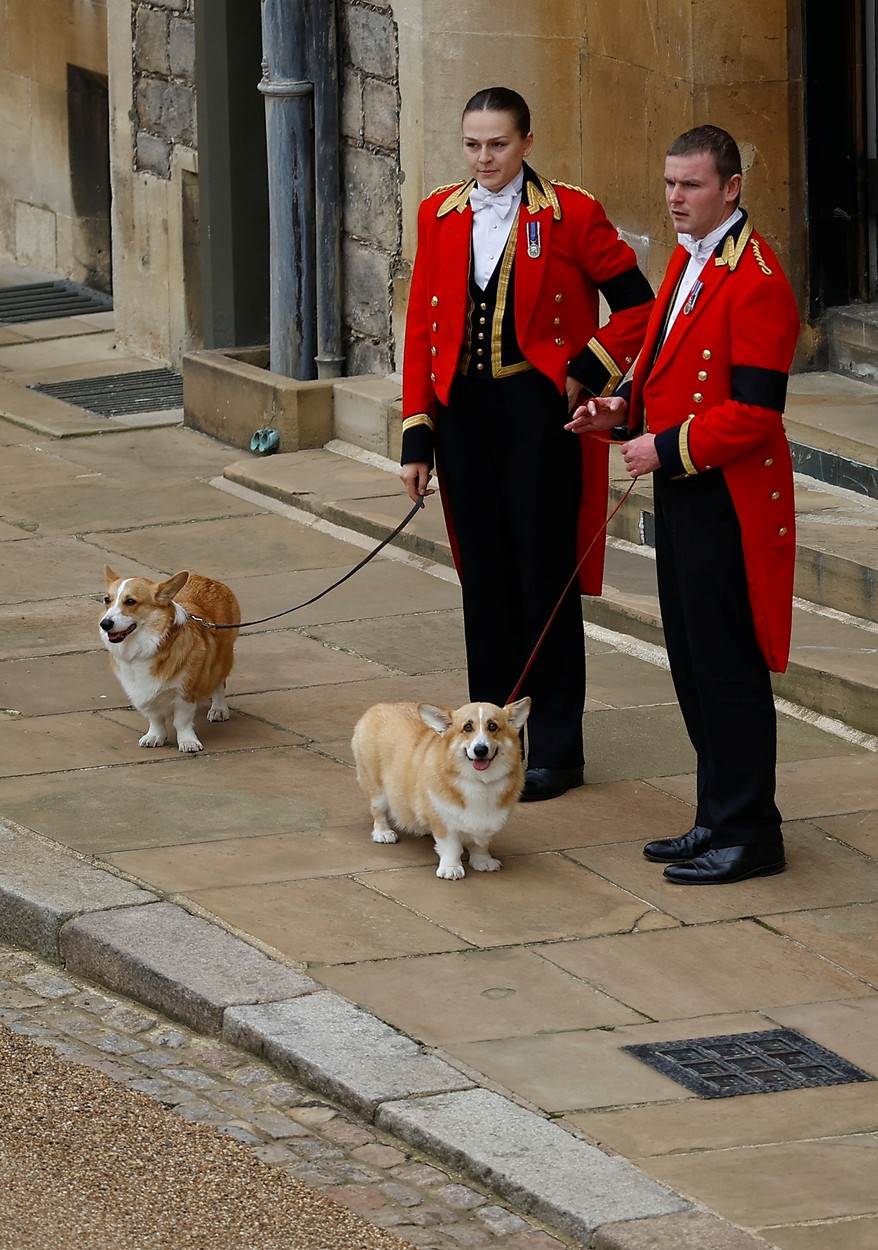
[[715, 141], [501, 100]]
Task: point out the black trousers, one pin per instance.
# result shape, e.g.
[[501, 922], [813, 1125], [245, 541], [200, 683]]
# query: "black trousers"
[[721, 679], [511, 477]]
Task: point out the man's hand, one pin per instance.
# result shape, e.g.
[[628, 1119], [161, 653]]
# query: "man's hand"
[[416, 478], [574, 390], [640, 455], [598, 414]]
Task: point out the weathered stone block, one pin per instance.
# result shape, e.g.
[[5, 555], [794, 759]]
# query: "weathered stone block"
[[340, 1049], [181, 48], [153, 154], [352, 105], [365, 356], [167, 109], [366, 290], [533, 1163], [361, 406], [370, 40], [692, 1230], [371, 208], [177, 963], [35, 242], [41, 888], [151, 41], [180, 5], [380, 113]]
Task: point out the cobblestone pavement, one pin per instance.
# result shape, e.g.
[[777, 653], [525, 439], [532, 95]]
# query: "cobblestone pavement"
[[175, 1190]]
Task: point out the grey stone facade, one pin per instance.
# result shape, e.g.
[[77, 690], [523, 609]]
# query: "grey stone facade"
[[163, 33], [372, 220]]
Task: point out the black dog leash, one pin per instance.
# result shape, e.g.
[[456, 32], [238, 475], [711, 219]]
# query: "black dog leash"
[[298, 607]]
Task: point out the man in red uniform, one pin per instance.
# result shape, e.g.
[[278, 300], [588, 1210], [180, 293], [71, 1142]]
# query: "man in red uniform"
[[704, 415], [502, 337]]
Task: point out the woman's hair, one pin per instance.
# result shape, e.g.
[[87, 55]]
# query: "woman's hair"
[[501, 100]]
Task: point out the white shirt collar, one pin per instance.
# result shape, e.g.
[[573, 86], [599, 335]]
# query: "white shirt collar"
[[701, 249]]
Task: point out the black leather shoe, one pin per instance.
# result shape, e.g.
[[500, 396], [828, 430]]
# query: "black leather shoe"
[[679, 850], [548, 783], [726, 864]]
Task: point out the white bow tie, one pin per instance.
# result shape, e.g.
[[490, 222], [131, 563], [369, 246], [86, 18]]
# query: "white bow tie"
[[700, 249], [500, 201]]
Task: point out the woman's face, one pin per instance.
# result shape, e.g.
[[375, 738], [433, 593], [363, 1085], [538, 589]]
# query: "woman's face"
[[493, 147]]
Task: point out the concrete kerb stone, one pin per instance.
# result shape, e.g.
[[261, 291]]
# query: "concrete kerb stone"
[[177, 963], [341, 1050], [42, 888], [534, 1164], [692, 1230]]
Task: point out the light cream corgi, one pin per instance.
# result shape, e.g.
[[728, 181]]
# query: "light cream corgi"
[[168, 664], [457, 775]]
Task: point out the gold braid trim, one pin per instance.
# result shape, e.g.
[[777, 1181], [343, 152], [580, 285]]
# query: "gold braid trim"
[[683, 443], [732, 252], [760, 259], [458, 199], [570, 187], [543, 196], [616, 374], [419, 418]]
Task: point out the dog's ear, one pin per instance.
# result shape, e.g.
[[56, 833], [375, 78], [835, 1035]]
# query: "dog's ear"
[[165, 591], [436, 718], [109, 575], [518, 712]]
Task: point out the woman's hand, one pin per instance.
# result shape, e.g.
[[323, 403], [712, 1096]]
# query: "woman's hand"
[[598, 414], [416, 478]]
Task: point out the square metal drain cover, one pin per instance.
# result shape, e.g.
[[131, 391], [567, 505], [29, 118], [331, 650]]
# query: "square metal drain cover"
[[40, 301], [120, 394], [748, 1063]]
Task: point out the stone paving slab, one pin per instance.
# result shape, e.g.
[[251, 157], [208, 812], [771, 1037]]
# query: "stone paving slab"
[[856, 1234], [54, 568], [693, 1230], [858, 829], [341, 1050], [176, 963], [29, 629], [41, 888], [544, 1170]]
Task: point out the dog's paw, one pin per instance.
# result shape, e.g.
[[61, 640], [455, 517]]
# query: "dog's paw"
[[450, 872], [484, 863], [384, 835], [218, 713], [151, 739], [189, 745]]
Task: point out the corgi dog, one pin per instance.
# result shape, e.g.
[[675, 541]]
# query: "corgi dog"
[[168, 664], [456, 775]]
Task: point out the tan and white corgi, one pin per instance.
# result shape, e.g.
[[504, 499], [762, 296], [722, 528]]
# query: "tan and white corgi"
[[167, 663], [457, 775]]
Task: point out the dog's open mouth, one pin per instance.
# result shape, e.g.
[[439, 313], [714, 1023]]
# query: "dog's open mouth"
[[481, 764], [119, 635]]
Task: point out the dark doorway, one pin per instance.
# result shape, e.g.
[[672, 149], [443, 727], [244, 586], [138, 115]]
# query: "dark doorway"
[[840, 81], [88, 140]]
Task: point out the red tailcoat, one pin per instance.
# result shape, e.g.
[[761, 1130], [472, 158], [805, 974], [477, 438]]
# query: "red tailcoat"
[[714, 397], [556, 318]]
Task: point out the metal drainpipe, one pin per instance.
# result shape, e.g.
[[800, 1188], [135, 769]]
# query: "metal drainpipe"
[[330, 354], [288, 108]]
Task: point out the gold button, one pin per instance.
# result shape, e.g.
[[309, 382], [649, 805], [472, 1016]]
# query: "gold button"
[[432, 377], [481, 335], [557, 321], [433, 351], [482, 321], [782, 532], [435, 300], [559, 342], [702, 375], [769, 462], [480, 366], [435, 326], [558, 297], [483, 307], [775, 494], [698, 397], [480, 351], [707, 467], [628, 360], [706, 354]]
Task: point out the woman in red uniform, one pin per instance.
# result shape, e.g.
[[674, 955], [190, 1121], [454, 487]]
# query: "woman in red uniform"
[[502, 341]]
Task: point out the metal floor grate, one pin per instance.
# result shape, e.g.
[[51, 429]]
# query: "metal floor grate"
[[748, 1063], [120, 394], [40, 301]]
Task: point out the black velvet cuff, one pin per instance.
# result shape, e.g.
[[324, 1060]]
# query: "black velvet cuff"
[[667, 448], [595, 368], [417, 445]]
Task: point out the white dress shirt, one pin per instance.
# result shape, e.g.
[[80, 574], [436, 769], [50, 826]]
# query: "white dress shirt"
[[700, 252], [493, 215]]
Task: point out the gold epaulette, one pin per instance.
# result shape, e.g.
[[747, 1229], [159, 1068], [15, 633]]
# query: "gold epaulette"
[[458, 199], [446, 186], [570, 187]]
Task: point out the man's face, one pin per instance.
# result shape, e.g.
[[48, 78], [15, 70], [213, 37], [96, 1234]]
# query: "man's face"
[[698, 200], [493, 148]]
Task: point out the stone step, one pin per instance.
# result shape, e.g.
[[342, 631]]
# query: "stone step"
[[832, 669], [832, 425], [836, 553], [852, 340]]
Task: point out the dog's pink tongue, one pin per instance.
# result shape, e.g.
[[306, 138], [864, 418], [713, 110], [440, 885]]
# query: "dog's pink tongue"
[[481, 765]]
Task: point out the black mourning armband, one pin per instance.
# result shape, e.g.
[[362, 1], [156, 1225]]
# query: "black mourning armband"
[[626, 290], [764, 388]]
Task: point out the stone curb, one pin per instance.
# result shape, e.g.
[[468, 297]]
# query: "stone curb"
[[177, 963], [535, 1164], [111, 931], [692, 1230], [41, 889], [341, 1050]]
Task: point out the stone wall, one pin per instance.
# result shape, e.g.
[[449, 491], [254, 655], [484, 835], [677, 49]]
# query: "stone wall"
[[163, 34], [43, 223], [372, 221]]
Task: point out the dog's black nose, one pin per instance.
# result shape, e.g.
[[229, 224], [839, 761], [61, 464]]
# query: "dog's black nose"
[[480, 751], [107, 624]]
